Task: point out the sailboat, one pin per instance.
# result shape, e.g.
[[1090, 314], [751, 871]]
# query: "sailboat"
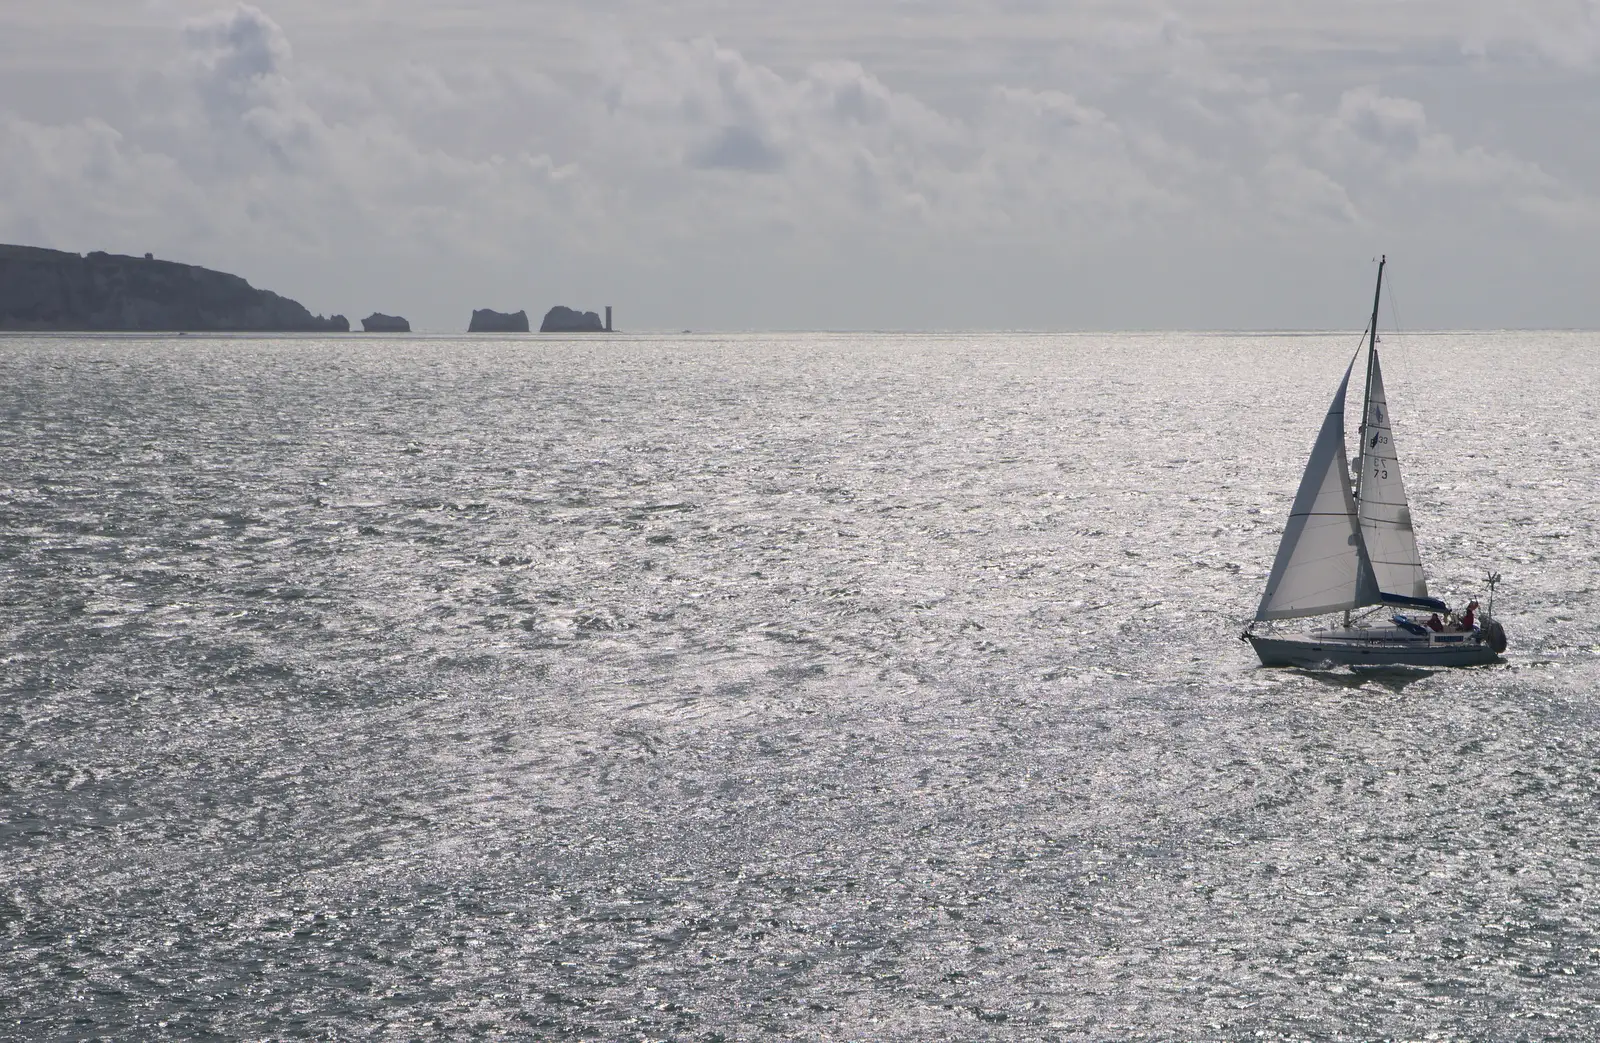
[[1351, 546]]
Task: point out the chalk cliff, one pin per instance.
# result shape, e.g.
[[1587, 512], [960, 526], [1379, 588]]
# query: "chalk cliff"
[[53, 290]]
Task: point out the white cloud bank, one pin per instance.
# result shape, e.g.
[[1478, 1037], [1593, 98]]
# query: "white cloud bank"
[[1144, 183]]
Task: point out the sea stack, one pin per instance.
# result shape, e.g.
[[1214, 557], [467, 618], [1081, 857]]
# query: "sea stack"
[[566, 320], [378, 322], [487, 320]]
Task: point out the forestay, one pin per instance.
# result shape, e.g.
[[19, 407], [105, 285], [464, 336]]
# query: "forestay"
[[1322, 564], [1381, 499]]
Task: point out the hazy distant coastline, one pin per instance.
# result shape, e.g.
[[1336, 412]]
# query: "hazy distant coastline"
[[54, 290]]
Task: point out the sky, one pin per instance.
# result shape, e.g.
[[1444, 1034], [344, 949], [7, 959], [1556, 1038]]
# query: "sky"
[[836, 164]]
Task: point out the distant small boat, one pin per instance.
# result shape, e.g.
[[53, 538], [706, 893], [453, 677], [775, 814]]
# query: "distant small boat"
[[1348, 548]]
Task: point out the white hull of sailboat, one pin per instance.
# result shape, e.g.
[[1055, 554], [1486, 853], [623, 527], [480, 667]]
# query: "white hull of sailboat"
[[1372, 648]]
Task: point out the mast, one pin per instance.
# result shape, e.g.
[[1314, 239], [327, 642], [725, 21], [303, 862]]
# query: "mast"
[[1376, 293], [1372, 357], [1366, 395]]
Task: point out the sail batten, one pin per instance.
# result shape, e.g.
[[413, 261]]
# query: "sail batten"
[[1322, 564]]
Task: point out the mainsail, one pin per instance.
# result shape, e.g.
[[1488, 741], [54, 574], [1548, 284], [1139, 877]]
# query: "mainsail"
[[1322, 562], [1381, 499]]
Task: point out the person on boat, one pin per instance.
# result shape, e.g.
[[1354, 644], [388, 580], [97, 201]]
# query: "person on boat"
[[1435, 624], [1468, 619]]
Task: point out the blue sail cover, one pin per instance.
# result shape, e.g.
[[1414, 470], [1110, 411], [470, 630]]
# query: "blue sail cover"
[[1432, 604]]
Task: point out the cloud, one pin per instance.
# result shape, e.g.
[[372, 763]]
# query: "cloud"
[[240, 62], [242, 54], [65, 183], [1301, 194], [1370, 116], [1390, 138], [1566, 32], [738, 148], [671, 163]]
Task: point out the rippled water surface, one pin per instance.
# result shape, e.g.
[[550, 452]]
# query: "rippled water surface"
[[736, 688]]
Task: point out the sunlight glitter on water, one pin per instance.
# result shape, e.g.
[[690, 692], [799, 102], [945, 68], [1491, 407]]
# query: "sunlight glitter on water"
[[806, 686]]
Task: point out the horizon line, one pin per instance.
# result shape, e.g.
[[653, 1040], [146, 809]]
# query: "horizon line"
[[949, 331]]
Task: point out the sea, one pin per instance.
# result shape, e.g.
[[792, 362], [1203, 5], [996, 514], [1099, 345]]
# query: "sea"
[[778, 687]]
